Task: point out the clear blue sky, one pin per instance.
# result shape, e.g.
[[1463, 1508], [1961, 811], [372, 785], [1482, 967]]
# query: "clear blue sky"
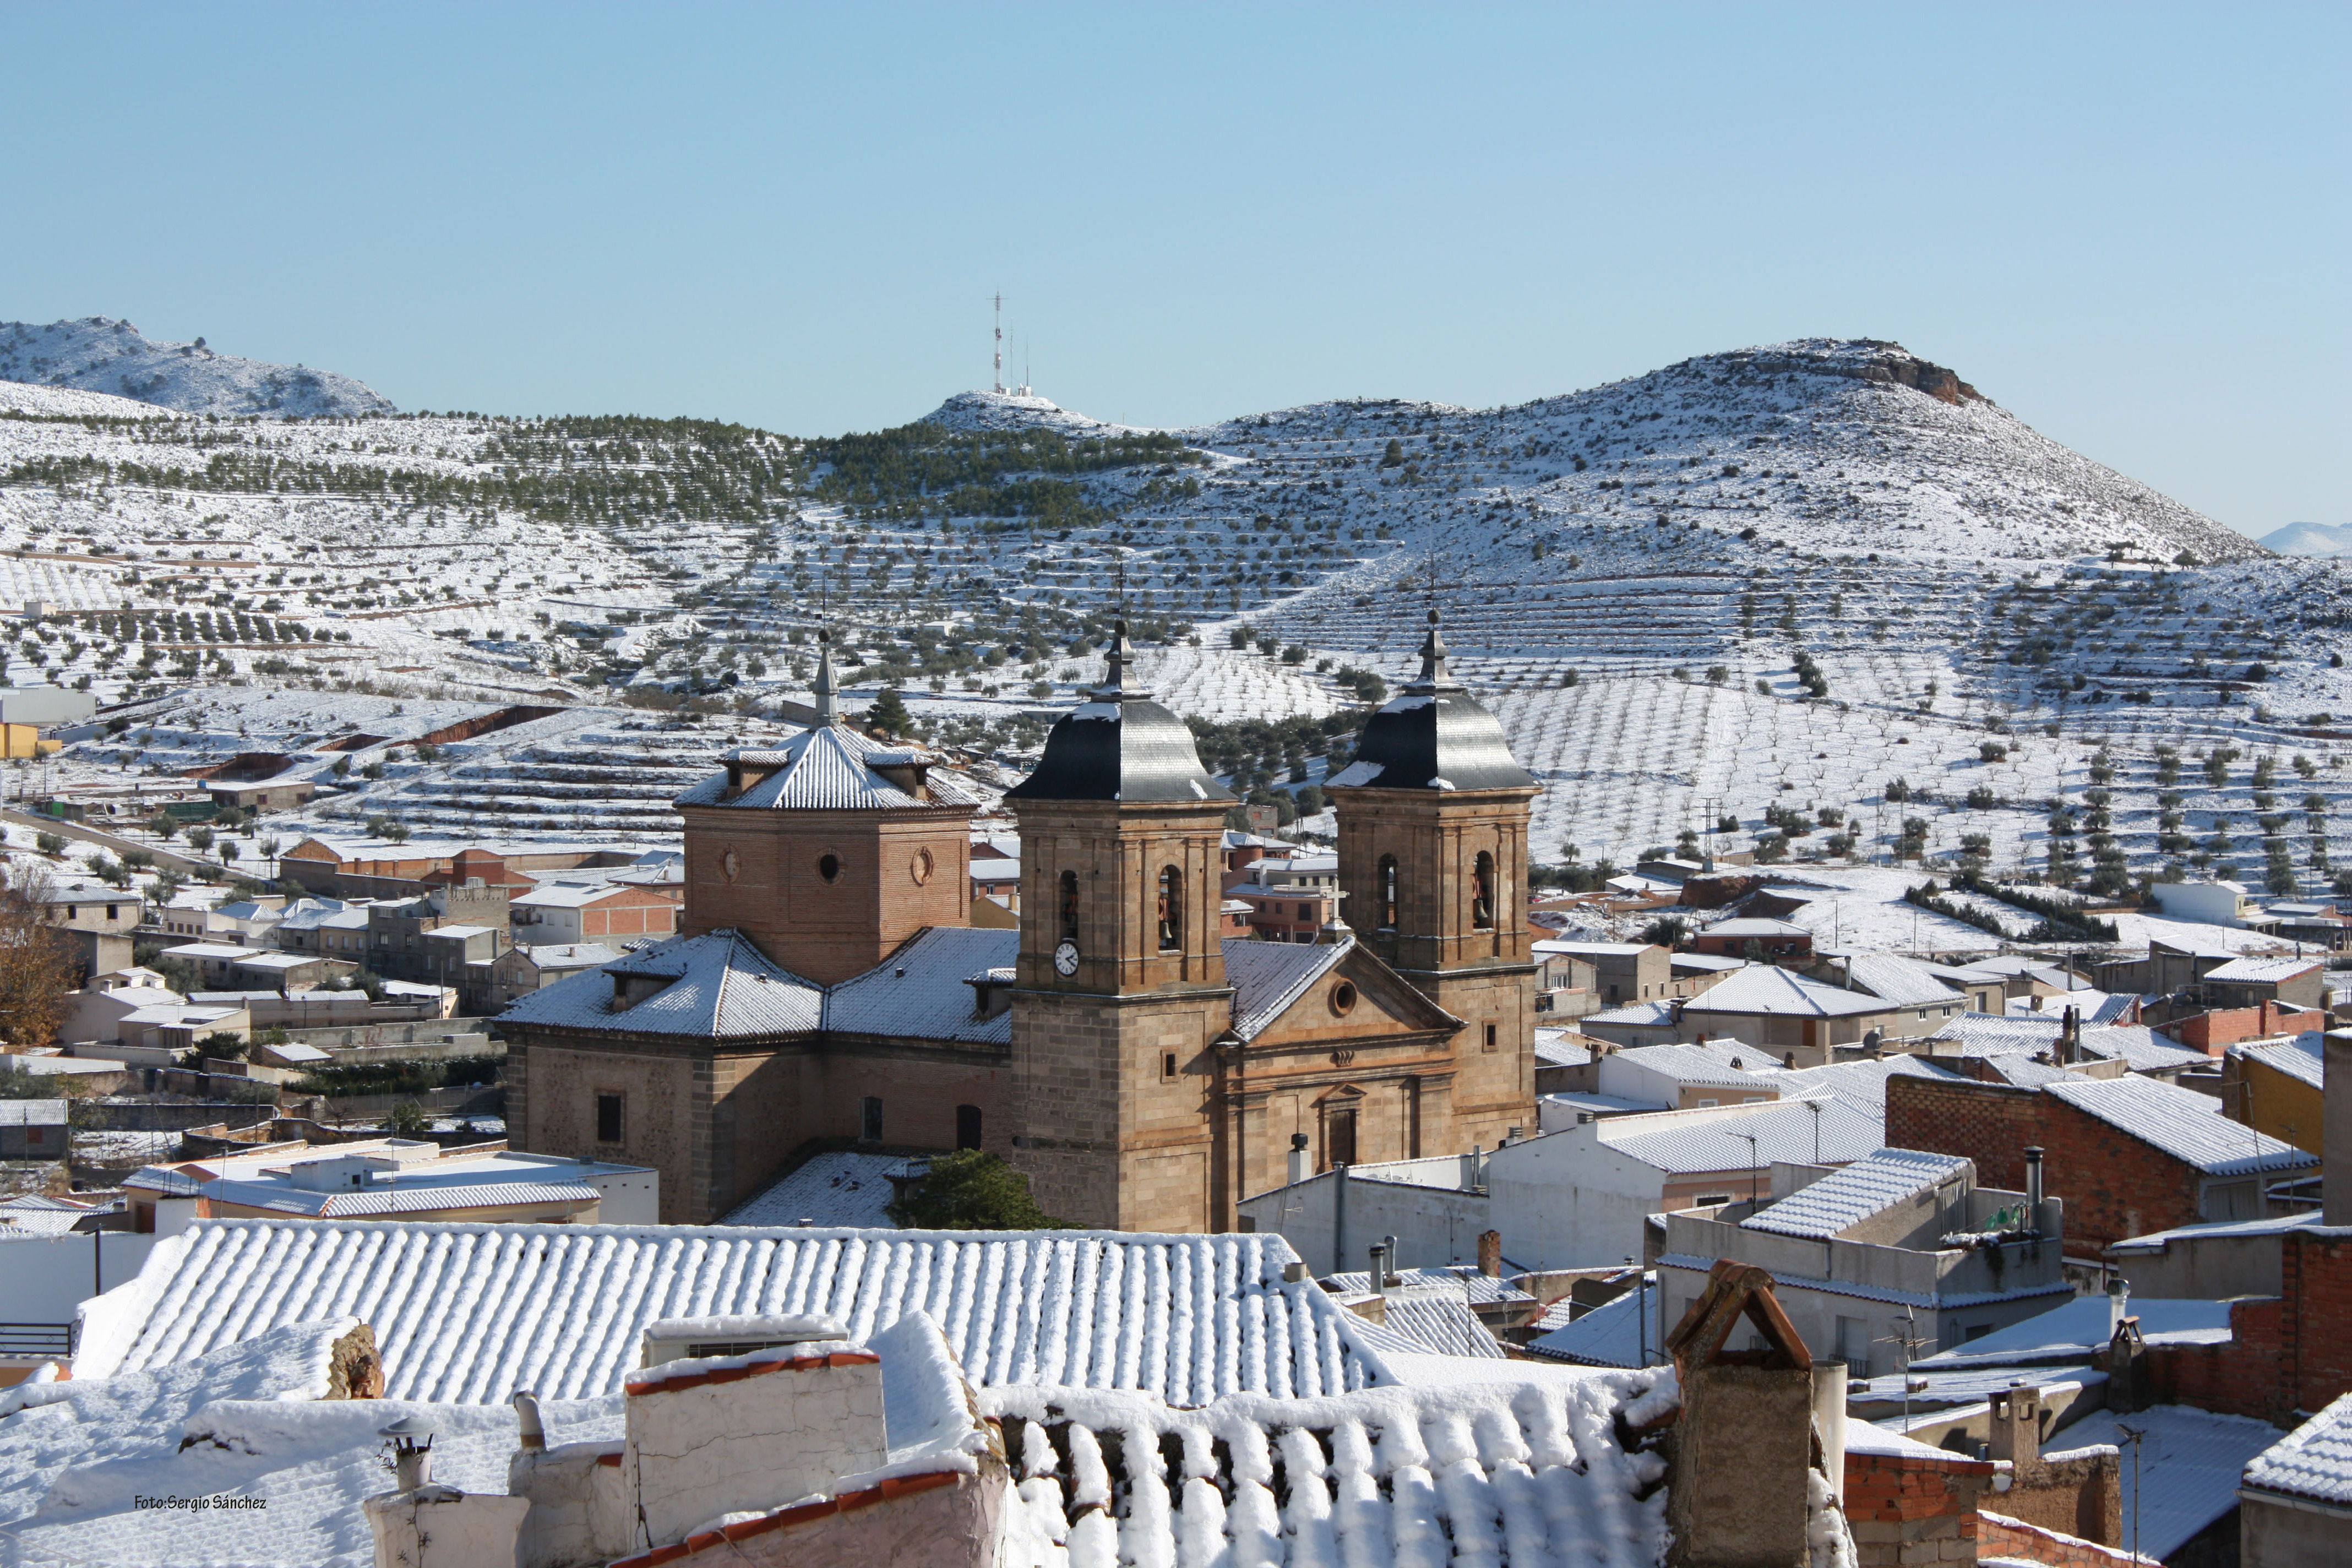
[[2127, 224]]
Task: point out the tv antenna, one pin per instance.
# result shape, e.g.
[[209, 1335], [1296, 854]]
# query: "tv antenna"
[[999, 374]]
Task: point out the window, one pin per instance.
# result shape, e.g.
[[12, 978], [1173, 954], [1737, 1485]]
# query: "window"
[[967, 1126], [1168, 1066], [1172, 908], [1489, 1046], [1338, 1137], [1343, 998], [1385, 889], [829, 868], [1482, 892], [869, 1119], [1069, 906], [608, 1119]]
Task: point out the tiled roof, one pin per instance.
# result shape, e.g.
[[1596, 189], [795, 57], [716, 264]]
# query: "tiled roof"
[[1496, 1463], [2140, 1048], [920, 991], [830, 768], [1695, 1142], [1859, 1084], [2303, 1058], [1903, 980], [2261, 971], [2181, 1122], [1433, 1323], [1763, 989], [1470, 1285], [473, 1311], [721, 987], [2313, 1461], [1645, 1014], [484, 1191], [1750, 925], [1553, 1048], [1688, 1064], [1269, 976], [2072, 1329], [2021, 1069], [842, 1188], [1850, 1195]]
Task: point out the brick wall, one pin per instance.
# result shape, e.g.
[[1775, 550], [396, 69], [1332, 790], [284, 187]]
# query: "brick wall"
[[2214, 1032], [1990, 1124], [1910, 1512], [2114, 1185], [1998, 1535], [2080, 1496], [2285, 1353]]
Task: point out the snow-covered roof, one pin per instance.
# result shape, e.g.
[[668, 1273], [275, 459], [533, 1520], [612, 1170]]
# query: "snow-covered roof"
[[32, 1112], [2188, 1467], [1859, 1084], [2313, 1461], [1554, 1048], [2269, 1225], [566, 895], [1900, 979], [1463, 1284], [568, 955], [1688, 1064], [2304, 1059], [1759, 988], [1700, 1142], [1848, 1196], [1612, 1334], [473, 1311], [839, 1188], [1593, 949], [2263, 970], [919, 991], [2025, 1072], [831, 768], [1482, 1462], [1755, 926], [2072, 1329], [2138, 1046], [1432, 1323], [1269, 976], [721, 986], [1645, 1014], [2183, 1123]]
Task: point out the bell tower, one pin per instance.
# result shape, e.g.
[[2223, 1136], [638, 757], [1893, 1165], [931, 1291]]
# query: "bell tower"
[[1432, 826], [1119, 989]]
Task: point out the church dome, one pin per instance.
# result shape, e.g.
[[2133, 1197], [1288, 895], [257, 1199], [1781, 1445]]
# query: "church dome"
[[1434, 735], [1120, 745]]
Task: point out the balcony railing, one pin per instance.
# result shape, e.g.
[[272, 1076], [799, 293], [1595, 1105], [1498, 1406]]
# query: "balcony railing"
[[25, 1342]]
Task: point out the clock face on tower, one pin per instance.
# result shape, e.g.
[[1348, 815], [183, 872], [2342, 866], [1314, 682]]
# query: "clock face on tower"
[[1066, 960]]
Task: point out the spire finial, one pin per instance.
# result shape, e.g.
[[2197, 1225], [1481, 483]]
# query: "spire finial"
[[1433, 673], [828, 695], [1117, 658]]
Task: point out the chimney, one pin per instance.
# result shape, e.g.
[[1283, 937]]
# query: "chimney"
[[2070, 1038], [2118, 1303], [1380, 1269], [1297, 1158], [1471, 1174], [2033, 1183], [1490, 1253], [2336, 1130], [2016, 1430]]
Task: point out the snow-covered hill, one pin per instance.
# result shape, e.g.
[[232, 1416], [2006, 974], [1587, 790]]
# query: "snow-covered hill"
[[100, 354], [2309, 538], [1823, 583]]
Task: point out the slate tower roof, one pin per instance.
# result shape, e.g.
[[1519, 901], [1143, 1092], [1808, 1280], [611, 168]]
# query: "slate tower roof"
[[1434, 735], [1120, 745]]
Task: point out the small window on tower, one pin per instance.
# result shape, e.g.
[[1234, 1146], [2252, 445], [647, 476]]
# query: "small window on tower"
[[869, 1119], [1386, 880], [829, 868], [1490, 1039], [1069, 906], [1168, 1066], [608, 1119]]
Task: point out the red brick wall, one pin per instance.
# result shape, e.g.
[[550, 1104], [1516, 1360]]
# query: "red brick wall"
[[2114, 1185], [1990, 1124], [2215, 1032], [2284, 1353], [1907, 1508]]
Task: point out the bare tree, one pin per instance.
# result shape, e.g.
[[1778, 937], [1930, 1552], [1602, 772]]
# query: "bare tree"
[[35, 970]]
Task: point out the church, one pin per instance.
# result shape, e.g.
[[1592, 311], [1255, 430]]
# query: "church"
[[1144, 1071]]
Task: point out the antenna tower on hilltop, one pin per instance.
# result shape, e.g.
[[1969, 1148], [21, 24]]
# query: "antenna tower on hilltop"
[[999, 377]]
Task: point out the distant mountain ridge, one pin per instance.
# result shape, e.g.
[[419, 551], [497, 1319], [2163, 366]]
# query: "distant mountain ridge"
[[2310, 539], [99, 353]]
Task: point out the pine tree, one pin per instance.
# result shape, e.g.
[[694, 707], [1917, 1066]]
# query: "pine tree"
[[888, 714]]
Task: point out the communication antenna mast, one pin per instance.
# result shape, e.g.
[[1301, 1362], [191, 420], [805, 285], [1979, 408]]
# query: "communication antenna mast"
[[999, 376]]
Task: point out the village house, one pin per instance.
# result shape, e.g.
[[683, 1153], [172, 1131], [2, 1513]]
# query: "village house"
[[2127, 1156], [523, 969], [1864, 1254], [1754, 938], [2278, 1086], [557, 913], [1291, 899], [390, 1179]]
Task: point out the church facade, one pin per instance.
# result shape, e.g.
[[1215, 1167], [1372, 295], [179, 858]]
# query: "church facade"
[[1144, 1071]]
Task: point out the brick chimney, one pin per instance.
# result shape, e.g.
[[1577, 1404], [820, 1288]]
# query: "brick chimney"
[[1490, 1253]]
